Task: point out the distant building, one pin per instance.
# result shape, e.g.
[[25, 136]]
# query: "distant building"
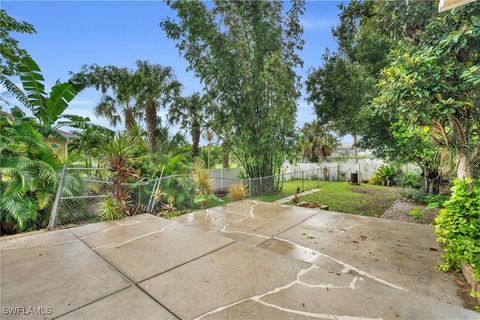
[[347, 150], [61, 145]]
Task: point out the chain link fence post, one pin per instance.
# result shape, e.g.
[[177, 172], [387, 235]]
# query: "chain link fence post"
[[53, 214]]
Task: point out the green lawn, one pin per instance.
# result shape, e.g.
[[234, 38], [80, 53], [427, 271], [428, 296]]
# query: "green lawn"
[[365, 199], [289, 188]]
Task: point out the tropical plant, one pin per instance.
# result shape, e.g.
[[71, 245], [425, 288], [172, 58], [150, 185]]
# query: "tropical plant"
[[48, 110], [205, 185], [117, 153], [190, 113], [385, 175], [237, 191], [245, 53], [29, 171], [118, 107], [89, 143], [11, 54], [458, 227], [156, 87], [111, 209], [316, 142], [409, 180]]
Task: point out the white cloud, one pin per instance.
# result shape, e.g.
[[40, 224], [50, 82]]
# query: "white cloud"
[[87, 102]]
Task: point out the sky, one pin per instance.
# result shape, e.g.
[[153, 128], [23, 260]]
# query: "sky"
[[73, 33]]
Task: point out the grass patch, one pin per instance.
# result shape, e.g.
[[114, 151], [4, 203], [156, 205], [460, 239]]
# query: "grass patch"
[[365, 199], [289, 188]]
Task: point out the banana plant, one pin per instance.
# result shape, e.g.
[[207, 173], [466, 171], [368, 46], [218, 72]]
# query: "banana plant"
[[46, 108]]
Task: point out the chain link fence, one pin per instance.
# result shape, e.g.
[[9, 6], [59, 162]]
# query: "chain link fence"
[[82, 193]]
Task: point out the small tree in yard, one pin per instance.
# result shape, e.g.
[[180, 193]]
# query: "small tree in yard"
[[117, 155]]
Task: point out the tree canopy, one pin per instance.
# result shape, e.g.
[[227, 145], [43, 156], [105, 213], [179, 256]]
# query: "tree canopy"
[[245, 54]]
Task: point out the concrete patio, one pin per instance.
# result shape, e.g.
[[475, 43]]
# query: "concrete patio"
[[244, 260]]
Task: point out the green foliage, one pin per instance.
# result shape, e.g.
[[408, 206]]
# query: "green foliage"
[[316, 142], [245, 53], [424, 81], [117, 154], [458, 226], [416, 214], [111, 210], [415, 195], [182, 189], [28, 171], [409, 180], [386, 175], [420, 196], [11, 54], [190, 113]]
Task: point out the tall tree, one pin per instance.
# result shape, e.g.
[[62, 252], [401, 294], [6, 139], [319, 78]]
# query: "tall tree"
[[156, 87], [190, 113], [433, 79], [245, 53], [118, 103], [317, 142]]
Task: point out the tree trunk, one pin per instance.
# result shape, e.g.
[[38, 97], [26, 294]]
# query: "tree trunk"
[[226, 157], [431, 181], [151, 120], [129, 120], [464, 168], [355, 151], [195, 132]]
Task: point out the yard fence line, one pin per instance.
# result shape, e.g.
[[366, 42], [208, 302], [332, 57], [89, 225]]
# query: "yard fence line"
[[82, 191]]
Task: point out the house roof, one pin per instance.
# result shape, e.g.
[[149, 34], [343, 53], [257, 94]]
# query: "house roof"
[[67, 135]]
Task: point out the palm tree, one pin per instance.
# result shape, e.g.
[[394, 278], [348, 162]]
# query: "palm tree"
[[119, 88], [189, 113], [29, 171], [157, 87]]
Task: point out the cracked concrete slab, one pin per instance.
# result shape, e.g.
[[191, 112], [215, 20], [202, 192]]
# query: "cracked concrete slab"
[[53, 270], [258, 209], [250, 222], [224, 277], [155, 245], [402, 254], [119, 306], [322, 265]]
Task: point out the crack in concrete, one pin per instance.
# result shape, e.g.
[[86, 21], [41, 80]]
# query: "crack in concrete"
[[258, 298], [344, 264], [111, 245], [110, 228]]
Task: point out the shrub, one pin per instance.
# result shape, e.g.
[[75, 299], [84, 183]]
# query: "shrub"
[[111, 209], [419, 196], [415, 195], [237, 191], [385, 175], [458, 227], [416, 214], [409, 180]]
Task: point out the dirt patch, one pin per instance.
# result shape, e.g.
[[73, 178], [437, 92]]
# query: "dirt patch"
[[463, 291], [372, 192], [401, 208]]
